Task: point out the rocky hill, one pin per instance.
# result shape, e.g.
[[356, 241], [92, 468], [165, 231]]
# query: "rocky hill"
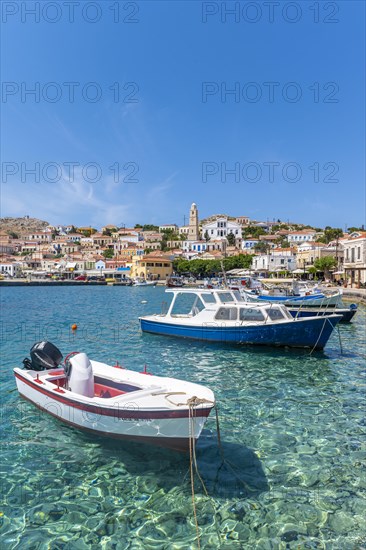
[[20, 225]]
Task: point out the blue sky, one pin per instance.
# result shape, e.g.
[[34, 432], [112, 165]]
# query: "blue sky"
[[297, 154]]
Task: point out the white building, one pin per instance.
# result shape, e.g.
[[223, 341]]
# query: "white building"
[[297, 237], [355, 258], [278, 260], [249, 244], [221, 226], [167, 227], [11, 269]]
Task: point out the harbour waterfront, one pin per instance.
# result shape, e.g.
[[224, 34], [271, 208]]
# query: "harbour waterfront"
[[292, 426]]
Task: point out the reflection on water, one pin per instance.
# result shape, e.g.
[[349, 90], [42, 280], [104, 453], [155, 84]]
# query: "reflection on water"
[[292, 431]]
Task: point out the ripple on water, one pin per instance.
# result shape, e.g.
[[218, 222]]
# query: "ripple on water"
[[292, 426]]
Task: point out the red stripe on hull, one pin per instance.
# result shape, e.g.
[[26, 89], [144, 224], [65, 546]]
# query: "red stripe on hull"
[[115, 412], [180, 444]]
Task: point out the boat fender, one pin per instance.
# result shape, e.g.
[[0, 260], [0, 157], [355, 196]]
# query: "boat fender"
[[353, 307]]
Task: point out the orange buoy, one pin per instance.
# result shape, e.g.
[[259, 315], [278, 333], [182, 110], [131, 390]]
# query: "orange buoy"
[[74, 326]]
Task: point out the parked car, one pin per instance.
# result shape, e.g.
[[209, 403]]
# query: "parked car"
[[80, 278]]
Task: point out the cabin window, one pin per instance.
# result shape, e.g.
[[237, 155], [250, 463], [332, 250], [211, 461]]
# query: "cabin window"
[[275, 314], [187, 304], [250, 314], [237, 295], [226, 297], [227, 314], [208, 298]]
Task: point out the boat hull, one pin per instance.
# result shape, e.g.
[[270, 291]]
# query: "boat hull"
[[347, 314], [305, 333], [316, 300], [171, 429]]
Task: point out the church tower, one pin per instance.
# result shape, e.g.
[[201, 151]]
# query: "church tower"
[[193, 234]]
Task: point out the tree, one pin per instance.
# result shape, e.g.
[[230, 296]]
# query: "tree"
[[325, 264], [150, 227], [261, 246], [108, 253], [330, 234], [231, 239], [253, 231], [206, 236]]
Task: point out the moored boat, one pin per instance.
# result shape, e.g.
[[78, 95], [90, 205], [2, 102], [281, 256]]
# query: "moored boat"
[[347, 313], [140, 281], [112, 401], [221, 316]]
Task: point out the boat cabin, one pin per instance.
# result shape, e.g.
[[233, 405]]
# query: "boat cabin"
[[221, 305]]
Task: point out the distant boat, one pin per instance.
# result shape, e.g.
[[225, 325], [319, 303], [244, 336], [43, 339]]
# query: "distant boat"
[[140, 281], [112, 401], [174, 282], [221, 316]]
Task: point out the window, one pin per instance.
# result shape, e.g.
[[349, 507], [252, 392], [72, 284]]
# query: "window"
[[227, 314], [226, 297], [250, 314], [358, 252], [352, 254], [275, 314], [208, 298]]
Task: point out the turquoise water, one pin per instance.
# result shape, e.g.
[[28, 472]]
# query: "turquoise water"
[[292, 428]]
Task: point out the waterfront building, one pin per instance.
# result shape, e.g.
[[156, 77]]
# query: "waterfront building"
[[11, 269], [279, 259], [152, 266], [355, 258]]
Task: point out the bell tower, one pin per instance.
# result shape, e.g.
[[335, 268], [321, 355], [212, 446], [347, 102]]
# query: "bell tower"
[[193, 233]]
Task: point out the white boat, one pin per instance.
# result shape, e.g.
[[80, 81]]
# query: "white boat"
[[299, 293], [222, 316], [112, 401], [140, 281]]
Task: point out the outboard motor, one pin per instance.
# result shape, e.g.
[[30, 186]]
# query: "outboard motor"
[[80, 376], [44, 356]]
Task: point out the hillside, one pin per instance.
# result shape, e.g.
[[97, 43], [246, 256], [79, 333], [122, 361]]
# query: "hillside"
[[20, 225]]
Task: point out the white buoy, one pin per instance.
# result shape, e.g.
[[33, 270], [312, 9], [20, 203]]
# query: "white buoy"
[[144, 301]]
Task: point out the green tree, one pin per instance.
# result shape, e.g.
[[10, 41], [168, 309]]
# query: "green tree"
[[253, 231], [325, 264], [206, 236], [261, 246], [231, 239], [108, 253], [150, 227], [330, 234]]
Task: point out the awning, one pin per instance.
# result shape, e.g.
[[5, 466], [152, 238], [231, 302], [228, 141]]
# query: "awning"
[[338, 272], [298, 271]]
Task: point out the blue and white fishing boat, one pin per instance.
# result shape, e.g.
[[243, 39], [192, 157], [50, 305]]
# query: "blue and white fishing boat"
[[221, 316], [299, 293]]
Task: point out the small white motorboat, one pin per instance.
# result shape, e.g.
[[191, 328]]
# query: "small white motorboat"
[[112, 401], [140, 281]]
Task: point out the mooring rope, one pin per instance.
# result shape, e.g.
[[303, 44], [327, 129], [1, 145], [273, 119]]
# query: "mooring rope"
[[321, 332], [340, 340]]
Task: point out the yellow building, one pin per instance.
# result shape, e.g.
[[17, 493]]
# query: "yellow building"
[[152, 266]]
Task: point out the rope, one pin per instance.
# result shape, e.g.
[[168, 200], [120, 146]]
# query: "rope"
[[340, 340], [321, 332], [191, 439]]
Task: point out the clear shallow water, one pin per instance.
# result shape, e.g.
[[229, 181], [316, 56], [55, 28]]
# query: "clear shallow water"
[[292, 426]]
